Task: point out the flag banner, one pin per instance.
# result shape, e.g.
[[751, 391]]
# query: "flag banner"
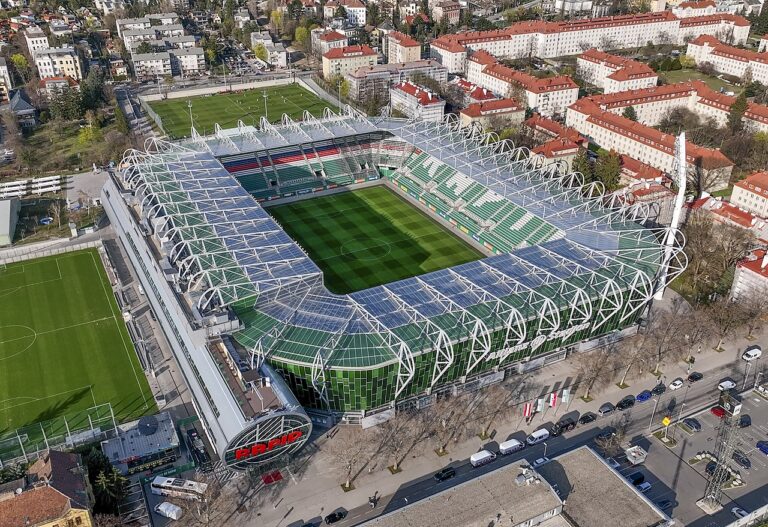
[[527, 409], [566, 395], [540, 405], [552, 399]]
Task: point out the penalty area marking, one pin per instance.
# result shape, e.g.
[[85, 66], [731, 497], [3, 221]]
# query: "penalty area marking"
[[37, 399]]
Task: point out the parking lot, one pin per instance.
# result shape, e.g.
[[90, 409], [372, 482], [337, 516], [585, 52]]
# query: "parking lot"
[[672, 476]]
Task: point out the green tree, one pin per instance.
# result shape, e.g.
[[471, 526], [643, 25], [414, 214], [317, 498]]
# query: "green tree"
[[92, 89], [21, 64], [301, 38], [373, 14], [736, 114], [340, 12], [66, 105], [261, 52], [608, 169], [276, 19], [121, 121], [582, 165], [89, 135], [687, 62], [630, 113], [144, 47]]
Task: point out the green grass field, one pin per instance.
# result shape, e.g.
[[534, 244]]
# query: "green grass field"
[[369, 237], [228, 107], [692, 75], [63, 344]]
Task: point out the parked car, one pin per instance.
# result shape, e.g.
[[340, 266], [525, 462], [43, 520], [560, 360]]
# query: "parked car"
[[626, 403], [540, 461], [677, 383], [659, 389], [335, 517], [665, 504], [762, 446], [726, 385], [695, 377], [752, 353], [587, 418], [606, 433], [739, 512], [636, 478], [445, 474], [693, 424], [644, 396], [745, 421], [711, 467], [644, 487], [613, 463], [606, 409], [741, 459], [565, 424], [718, 411]]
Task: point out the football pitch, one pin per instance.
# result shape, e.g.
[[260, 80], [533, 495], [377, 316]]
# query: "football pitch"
[[63, 344], [227, 108], [369, 237]]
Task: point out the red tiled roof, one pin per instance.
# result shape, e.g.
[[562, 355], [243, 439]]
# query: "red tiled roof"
[[733, 214], [557, 148], [707, 158], [410, 18], [529, 82], [58, 80], [349, 51], [756, 183], [33, 507], [697, 5], [332, 36], [724, 50], [475, 92], [403, 39], [423, 96], [554, 129], [706, 20], [500, 106], [755, 262], [345, 3], [639, 170]]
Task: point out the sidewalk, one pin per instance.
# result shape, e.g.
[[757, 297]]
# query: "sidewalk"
[[317, 491]]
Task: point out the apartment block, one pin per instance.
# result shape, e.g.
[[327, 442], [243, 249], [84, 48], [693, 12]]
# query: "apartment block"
[[613, 73], [506, 112], [35, 39], [365, 83], [58, 62], [150, 66], [417, 102], [340, 61], [751, 194], [729, 59], [401, 48]]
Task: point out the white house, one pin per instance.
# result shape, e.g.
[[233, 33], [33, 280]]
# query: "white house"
[[417, 102]]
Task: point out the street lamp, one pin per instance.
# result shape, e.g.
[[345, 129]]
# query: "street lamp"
[[266, 112], [757, 379], [545, 449], [653, 414], [746, 376]]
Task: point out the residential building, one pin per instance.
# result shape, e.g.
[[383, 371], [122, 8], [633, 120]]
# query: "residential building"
[[571, 7], [613, 73], [118, 67], [277, 55], [151, 34], [53, 85], [5, 81], [546, 130], [751, 194], [763, 46], [474, 93], [355, 10], [661, 196], [729, 59], [401, 48], [42, 506], [653, 104], [340, 61], [242, 16], [633, 172], [65, 472], [647, 144], [150, 20], [558, 150], [449, 10], [151, 66], [416, 102], [324, 40], [58, 62], [489, 114], [691, 9], [36, 39], [187, 62], [365, 83], [25, 113], [549, 96], [554, 39], [751, 276]]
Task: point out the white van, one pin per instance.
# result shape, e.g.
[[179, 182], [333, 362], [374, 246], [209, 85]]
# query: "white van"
[[542, 434], [481, 458], [752, 353], [513, 445], [726, 385], [169, 510]]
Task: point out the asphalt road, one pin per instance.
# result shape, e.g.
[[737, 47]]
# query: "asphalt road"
[[691, 398]]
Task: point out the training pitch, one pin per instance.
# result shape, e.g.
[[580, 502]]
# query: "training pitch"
[[227, 108], [370, 237], [63, 344]]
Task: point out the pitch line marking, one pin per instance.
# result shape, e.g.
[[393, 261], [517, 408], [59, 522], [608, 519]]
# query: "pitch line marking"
[[119, 330], [94, 321], [36, 399]]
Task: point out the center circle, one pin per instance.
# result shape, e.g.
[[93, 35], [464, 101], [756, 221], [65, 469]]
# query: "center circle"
[[365, 249], [15, 340]]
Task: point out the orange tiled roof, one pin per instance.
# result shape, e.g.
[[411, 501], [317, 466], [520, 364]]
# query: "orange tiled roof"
[[425, 97], [349, 51], [499, 106], [33, 507]]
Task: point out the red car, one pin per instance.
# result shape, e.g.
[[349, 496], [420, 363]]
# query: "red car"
[[718, 411]]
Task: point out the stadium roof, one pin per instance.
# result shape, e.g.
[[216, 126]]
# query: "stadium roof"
[[595, 263]]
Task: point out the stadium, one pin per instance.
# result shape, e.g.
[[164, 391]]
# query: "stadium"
[[547, 263]]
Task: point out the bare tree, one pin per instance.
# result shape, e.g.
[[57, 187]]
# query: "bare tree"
[[215, 507], [450, 418], [696, 330], [632, 354], [754, 308], [733, 244], [595, 369], [725, 317], [106, 520], [396, 437], [349, 449], [666, 338], [55, 210], [496, 402]]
